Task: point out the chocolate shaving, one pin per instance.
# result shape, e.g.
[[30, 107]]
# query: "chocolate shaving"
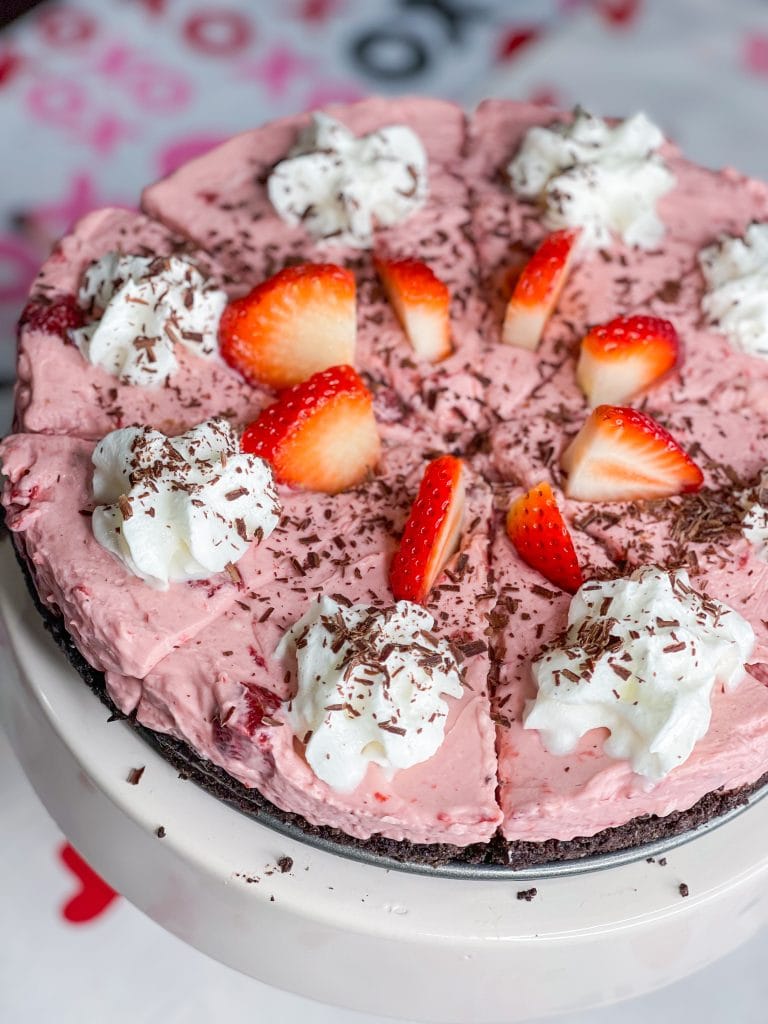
[[234, 573], [620, 671], [396, 729], [707, 517], [473, 647], [124, 504], [674, 648], [759, 671]]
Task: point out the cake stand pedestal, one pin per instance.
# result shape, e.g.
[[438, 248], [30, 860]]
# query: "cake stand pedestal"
[[349, 933]]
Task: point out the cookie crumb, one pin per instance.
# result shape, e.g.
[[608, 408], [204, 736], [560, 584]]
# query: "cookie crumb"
[[160, 832], [134, 775], [663, 862], [285, 864], [527, 894], [683, 889]]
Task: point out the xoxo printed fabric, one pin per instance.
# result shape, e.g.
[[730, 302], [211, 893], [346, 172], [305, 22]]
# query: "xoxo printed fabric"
[[103, 96]]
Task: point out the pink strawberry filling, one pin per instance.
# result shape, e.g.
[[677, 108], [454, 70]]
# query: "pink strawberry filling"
[[199, 663]]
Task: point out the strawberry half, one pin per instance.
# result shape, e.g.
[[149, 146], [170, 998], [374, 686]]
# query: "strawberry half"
[[422, 304], [319, 435], [538, 288], [432, 532], [295, 324], [620, 454], [621, 358], [537, 529]]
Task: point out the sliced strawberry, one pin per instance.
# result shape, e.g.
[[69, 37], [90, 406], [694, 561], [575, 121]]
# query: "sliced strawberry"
[[422, 304], [621, 358], [432, 532], [508, 275], [620, 454], [538, 531], [538, 288], [295, 324], [319, 435]]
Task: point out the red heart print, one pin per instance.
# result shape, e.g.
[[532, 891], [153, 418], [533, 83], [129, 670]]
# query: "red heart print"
[[94, 895]]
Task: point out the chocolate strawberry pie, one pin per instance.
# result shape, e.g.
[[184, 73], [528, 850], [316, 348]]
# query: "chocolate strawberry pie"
[[403, 475]]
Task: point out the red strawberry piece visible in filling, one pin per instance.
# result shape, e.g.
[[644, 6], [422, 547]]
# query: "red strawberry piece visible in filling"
[[234, 727], [297, 323], [538, 288], [620, 359], [319, 435], [56, 315], [260, 704], [621, 454], [432, 532], [422, 304], [537, 529]]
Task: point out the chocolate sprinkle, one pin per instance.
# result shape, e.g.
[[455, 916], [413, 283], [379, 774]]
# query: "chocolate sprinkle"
[[759, 671]]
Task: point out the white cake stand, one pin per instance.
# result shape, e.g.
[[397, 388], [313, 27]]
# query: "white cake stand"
[[355, 934]]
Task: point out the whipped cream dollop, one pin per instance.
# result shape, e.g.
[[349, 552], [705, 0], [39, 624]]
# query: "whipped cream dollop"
[[754, 525], [341, 188], [180, 508], [736, 300], [605, 179], [370, 688], [640, 658], [140, 308]]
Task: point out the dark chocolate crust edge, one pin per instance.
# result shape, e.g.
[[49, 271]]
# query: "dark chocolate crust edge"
[[499, 851]]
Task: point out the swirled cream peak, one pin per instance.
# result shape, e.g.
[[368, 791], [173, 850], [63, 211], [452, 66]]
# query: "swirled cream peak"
[[754, 525], [370, 688], [605, 179], [736, 300], [640, 658], [341, 187], [180, 508], [139, 309]]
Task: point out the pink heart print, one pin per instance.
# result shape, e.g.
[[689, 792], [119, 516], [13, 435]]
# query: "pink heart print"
[[93, 895]]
